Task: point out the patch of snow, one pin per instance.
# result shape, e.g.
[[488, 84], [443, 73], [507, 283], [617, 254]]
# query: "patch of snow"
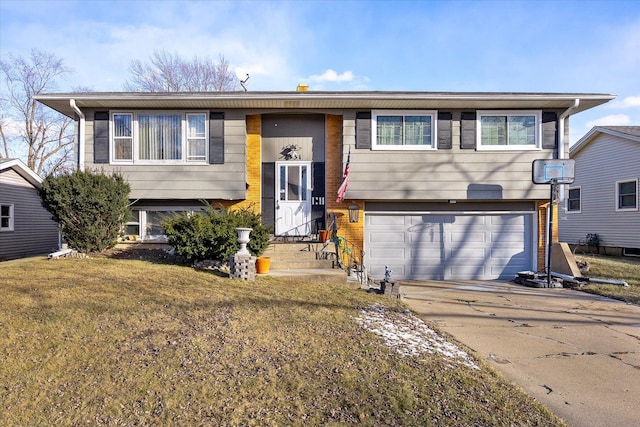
[[410, 336]]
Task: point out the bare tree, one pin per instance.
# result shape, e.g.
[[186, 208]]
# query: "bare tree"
[[28, 129], [166, 72]]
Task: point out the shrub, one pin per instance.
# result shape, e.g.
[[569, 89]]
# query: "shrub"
[[212, 235], [90, 207]]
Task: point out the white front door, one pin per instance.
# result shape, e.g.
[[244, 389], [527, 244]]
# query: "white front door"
[[293, 198]]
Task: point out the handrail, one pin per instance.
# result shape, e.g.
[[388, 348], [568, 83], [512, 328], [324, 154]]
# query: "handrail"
[[351, 257], [345, 249]]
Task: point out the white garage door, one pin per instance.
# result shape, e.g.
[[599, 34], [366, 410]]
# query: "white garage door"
[[449, 247]]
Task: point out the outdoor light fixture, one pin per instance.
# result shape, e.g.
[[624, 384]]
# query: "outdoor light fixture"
[[354, 212]]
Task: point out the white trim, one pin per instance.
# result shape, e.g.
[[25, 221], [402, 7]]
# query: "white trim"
[[623, 181], [11, 218], [135, 138], [23, 170], [567, 210], [513, 113], [433, 114]]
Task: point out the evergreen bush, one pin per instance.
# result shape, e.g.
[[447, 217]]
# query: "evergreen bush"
[[212, 234], [90, 207]]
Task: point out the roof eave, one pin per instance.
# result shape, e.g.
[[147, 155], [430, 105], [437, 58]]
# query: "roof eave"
[[322, 100]]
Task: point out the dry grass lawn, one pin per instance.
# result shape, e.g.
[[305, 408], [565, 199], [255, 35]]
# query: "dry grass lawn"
[[617, 268], [123, 342]]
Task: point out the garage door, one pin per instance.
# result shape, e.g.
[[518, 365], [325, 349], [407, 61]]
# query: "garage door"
[[450, 247]]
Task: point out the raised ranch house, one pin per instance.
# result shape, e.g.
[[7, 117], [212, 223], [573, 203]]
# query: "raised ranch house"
[[604, 199], [442, 180], [26, 228]]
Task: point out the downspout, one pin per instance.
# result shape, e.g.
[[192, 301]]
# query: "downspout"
[[81, 134], [566, 113]]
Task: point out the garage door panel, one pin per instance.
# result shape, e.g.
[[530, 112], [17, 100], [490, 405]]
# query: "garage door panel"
[[389, 253], [387, 220], [468, 253], [507, 219], [387, 237], [419, 271], [426, 256], [463, 246], [430, 220], [480, 238]]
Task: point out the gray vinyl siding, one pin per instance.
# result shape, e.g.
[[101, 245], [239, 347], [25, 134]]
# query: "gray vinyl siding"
[[306, 131], [211, 181], [599, 165], [456, 173], [34, 232]]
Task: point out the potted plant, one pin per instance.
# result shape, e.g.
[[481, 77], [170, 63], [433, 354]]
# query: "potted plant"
[[262, 264]]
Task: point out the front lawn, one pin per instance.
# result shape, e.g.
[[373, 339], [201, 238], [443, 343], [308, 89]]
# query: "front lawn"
[[617, 268], [127, 342]]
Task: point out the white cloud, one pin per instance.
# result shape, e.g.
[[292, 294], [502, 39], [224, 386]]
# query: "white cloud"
[[332, 76], [627, 102], [610, 120]]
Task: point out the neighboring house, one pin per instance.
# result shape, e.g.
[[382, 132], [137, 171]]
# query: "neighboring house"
[[604, 199], [26, 228], [442, 180]]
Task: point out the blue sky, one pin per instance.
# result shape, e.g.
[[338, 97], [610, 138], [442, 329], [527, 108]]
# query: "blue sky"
[[478, 46]]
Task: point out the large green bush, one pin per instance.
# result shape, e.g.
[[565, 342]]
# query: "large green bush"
[[212, 234], [91, 207]]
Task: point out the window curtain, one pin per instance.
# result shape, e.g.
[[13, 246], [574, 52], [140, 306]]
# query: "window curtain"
[[160, 136], [389, 130], [417, 130]]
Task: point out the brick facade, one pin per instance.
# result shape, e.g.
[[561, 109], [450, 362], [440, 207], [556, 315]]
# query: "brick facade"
[[336, 156], [542, 231]]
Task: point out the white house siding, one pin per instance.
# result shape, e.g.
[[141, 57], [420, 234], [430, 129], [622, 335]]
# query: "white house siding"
[[187, 182], [599, 165], [443, 174], [34, 232]]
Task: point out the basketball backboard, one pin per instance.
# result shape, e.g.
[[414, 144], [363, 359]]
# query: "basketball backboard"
[[553, 171]]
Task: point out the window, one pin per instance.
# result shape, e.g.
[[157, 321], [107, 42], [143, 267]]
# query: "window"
[[509, 130], [6, 217], [132, 227], [146, 223], [122, 137], [627, 195], [159, 137], [403, 130], [573, 202]]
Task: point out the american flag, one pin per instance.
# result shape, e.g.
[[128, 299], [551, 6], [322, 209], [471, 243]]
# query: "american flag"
[[345, 178]]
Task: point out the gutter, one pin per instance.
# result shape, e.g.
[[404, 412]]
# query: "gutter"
[[81, 134], [563, 116]]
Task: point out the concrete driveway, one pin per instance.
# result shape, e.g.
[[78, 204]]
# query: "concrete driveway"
[[576, 353]]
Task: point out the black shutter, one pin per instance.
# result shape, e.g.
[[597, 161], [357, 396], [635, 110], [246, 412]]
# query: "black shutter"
[[269, 195], [216, 138], [468, 130], [549, 130], [444, 131], [363, 129], [101, 137]]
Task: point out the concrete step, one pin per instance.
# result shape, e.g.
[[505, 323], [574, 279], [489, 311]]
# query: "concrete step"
[[322, 274], [300, 256], [289, 264]]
